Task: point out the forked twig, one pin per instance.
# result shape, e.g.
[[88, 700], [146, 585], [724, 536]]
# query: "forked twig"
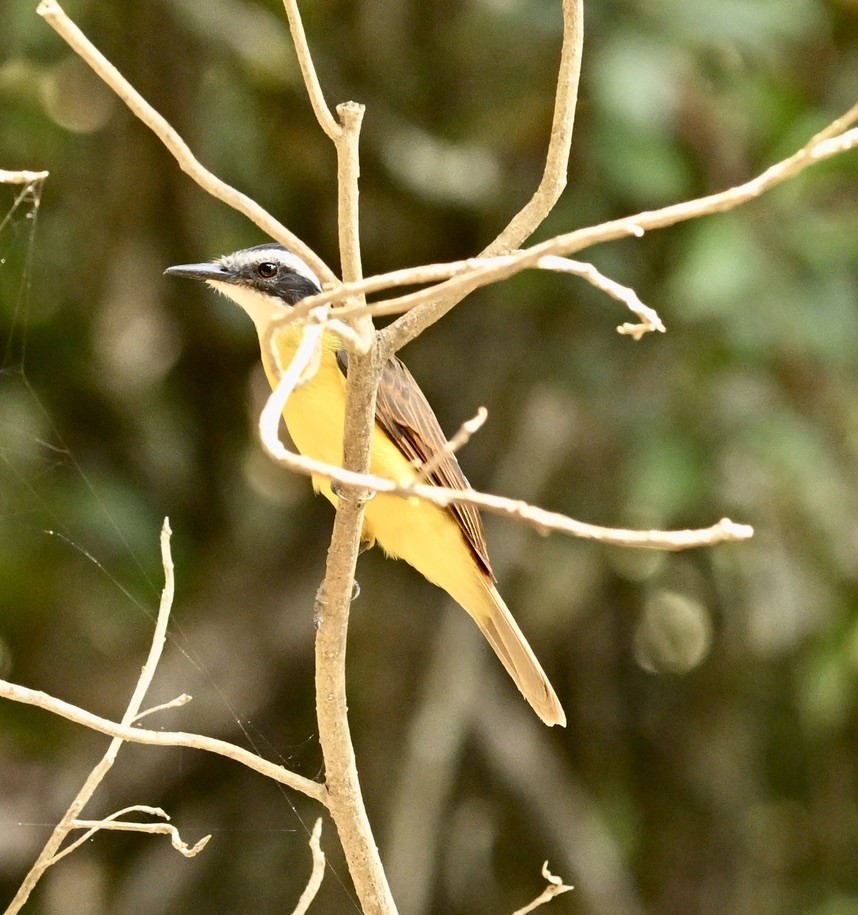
[[125, 732], [113, 822], [57, 18], [49, 853], [555, 888]]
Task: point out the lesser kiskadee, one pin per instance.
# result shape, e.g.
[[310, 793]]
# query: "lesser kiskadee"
[[447, 546]]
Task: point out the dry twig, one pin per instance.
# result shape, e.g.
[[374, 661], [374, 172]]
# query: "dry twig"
[[57, 18], [649, 319], [464, 282], [50, 853], [459, 440], [531, 216], [316, 874], [113, 822], [543, 521], [345, 800], [7, 177], [126, 732], [555, 888]]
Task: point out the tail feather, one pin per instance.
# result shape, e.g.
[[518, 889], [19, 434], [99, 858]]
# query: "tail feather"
[[509, 644]]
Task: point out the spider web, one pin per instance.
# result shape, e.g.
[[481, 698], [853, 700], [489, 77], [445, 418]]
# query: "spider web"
[[41, 482]]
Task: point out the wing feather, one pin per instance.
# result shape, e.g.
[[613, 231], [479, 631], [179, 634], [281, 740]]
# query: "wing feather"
[[405, 415]]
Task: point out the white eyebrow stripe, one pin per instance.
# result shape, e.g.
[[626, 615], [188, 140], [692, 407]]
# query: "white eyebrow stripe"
[[276, 255]]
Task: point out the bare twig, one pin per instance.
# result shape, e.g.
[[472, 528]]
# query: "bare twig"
[[113, 822], [316, 874], [544, 521], [343, 788], [558, 807], [551, 185], [459, 440], [66, 710], [541, 519], [326, 120], [57, 18], [7, 177], [553, 180], [290, 378], [837, 126], [816, 150], [178, 702], [555, 888], [649, 319], [49, 853], [345, 800]]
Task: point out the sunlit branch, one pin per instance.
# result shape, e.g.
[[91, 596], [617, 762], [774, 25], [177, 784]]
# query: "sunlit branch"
[[113, 822], [458, 441], [326, 120], [57, 18], [649, 319], [7, 177], [41, 700], [555, 888], [544, 521], [50, 853], [551, 185], [316, 875], [816, 150]]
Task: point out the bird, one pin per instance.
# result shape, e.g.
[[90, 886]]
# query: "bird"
[[446, 545]]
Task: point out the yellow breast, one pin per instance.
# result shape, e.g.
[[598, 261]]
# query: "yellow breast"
[[425, 536]]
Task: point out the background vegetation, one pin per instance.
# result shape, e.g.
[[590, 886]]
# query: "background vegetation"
[[710, 760]]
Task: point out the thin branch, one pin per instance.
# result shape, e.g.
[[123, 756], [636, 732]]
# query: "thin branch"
[[178, 702], [649, 319], [113, 822], [553, 181], [345, 800], [405, 276], [41, 700], [49, 853], [524, 223], [308, 70], [7, 177], [348, 171], [555, 887], [316, 874], [541, 519], [459, 440], [837, 126], [290, 378], [57, 18], [724, 531], [571, 242]]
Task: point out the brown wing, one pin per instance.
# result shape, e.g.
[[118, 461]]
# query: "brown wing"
[[405, 415]]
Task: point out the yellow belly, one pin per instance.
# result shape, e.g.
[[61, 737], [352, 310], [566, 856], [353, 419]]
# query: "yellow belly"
[[424, 535]]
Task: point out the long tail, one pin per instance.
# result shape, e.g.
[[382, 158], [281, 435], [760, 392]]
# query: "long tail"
[[510, 645]]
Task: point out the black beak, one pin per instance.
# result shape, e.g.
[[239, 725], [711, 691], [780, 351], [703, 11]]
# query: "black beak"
[[201, 272]]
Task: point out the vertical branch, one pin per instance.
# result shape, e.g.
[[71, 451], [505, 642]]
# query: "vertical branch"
[[345, 799], [553, 181], [344, 793], [532, 214]]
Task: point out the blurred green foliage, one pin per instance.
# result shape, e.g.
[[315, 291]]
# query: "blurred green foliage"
[[710, 760]]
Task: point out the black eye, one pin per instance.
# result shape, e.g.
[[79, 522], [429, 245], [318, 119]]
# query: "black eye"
[[266, 270]]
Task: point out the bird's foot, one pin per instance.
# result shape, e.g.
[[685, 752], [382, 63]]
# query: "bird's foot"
[[349, 494]]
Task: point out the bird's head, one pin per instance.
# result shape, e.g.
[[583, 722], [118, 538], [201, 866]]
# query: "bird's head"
[[263, 280]]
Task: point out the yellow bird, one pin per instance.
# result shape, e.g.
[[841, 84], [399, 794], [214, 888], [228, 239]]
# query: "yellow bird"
[[447, 546]]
